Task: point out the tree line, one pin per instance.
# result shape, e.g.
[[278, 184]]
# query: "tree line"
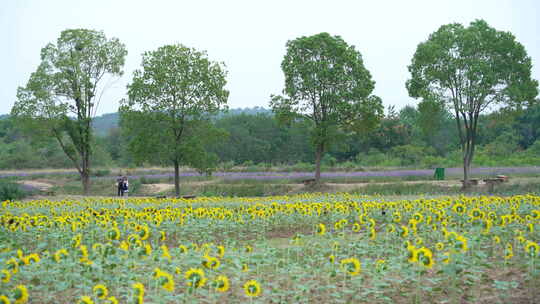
[[325, 113]]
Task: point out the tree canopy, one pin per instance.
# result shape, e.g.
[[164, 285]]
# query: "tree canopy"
[[326, 82], [60, 97], [472, 69], [167, 115]]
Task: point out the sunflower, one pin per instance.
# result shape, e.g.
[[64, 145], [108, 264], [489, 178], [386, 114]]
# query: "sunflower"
[[248, 249], [372, 234], [221, 283], [139, 289], [331, 258], [461, 243], [439, 246], [34, 257], [396, 217], [404, 231], [6, 276], [101, 291], [21, 294], [532, 248], [221, 251], [195, 277], [497, 239], [76, 240], [418, 217], [85, 300], [412, 254], [163, 236], [13, 265], [391, 229], [59, 253], [245, 267], [4, 300], [476, 214], [419, 241], [211, 262], [112, 300], [459, 208], [252, 288], [351, 266], [321, 229], [425, 257], [356, 227], [144, 232], [114, 234], [183, 249], [165, 252], [509, 252]]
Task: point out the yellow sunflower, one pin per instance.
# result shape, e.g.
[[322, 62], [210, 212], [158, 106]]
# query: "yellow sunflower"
[[321, 229], [6, 276], [195, 277], [351, 266], [221, 251], [101, 291], [532, 248], [459, 208], [211, 262], [4, 300], [425, 257], [439, 246], [112, 300], [21, 294], [252, 288], [222, 283], [86, 300]]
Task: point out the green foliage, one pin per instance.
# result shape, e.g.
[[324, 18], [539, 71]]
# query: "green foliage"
[[471, 69], [59, 99], [326, 82], [10, 191], [167, 115]]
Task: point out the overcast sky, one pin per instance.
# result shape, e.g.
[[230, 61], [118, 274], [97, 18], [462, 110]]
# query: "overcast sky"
[[250, 36]]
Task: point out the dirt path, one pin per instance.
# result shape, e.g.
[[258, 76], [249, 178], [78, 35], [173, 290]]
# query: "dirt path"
[[39, 185]]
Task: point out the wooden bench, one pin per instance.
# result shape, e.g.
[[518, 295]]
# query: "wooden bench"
[[503, 178], [189, 196]]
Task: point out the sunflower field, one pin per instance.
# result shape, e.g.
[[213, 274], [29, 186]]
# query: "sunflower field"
[[310, 248]]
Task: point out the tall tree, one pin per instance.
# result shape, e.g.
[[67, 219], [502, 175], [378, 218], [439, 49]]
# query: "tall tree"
[[471, 69], [167, 115], [326, 82], [60, 97]]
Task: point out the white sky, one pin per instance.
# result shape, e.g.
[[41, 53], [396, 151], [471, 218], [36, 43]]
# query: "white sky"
[[250, 36]]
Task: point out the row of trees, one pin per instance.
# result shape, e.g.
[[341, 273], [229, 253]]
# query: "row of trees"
[[419, 136], [172, 98]]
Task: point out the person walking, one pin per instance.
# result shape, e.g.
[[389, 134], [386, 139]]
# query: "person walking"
[[125, 186]]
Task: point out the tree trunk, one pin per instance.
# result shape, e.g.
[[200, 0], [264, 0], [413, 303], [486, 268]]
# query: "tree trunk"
[[466, 168], [177, 178], [318, 157], [85, 178]]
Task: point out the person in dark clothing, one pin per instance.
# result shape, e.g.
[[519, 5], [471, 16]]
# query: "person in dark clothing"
[[125, 186], [120, 185]]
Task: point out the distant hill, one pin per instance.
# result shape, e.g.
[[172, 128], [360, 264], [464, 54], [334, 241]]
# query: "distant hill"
[[104, 123]]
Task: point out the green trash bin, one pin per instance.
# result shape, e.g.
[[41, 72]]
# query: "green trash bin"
[[439, 174]]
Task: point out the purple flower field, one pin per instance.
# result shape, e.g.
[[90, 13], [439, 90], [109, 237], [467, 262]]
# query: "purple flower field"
[[300, 175]]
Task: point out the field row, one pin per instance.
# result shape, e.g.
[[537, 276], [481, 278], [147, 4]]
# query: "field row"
[[306, 248]]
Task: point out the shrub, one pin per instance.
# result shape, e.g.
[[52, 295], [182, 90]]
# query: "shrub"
[[10, 191]]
